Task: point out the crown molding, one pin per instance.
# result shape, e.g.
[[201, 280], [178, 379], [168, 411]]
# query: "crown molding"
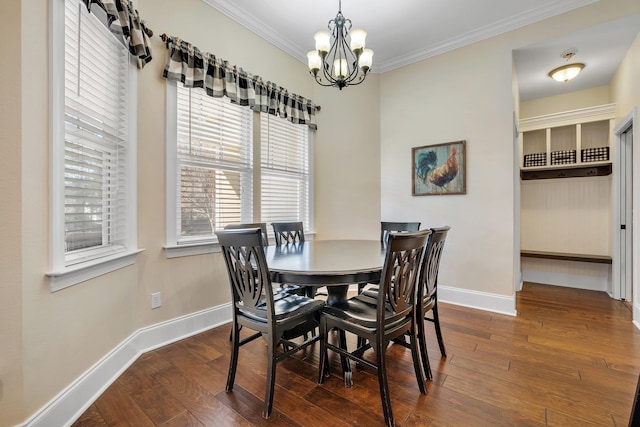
[[499, 27], [565, 118], [260, 28], [271, 35]]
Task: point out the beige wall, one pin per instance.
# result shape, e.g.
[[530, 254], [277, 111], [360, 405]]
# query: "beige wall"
[[347, 162], [461, 95], [565, 102], [467, 94], [625, 85], [11, 223], [50, 339]]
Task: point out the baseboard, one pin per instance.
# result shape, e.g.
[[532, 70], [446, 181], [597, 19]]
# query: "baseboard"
[[69, 404], [480, 300], [636, 316], [576, 281]]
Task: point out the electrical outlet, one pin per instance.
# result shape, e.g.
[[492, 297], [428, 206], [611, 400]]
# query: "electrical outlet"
[[156, 300]]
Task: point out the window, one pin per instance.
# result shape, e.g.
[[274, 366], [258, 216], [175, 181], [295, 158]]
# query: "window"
[[211, 181], [285, 170], [93, 167], [213, 175]]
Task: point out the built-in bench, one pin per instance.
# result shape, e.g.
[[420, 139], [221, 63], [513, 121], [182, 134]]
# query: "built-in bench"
[[562, 256]]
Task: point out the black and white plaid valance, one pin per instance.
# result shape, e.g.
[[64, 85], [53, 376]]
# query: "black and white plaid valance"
[[124, 20], [187, 64]]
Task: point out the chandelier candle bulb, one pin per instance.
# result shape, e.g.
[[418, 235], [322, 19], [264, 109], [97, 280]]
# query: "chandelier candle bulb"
[[323, 41], [314, 61], [358, 37], [340, 68], [365, 60]]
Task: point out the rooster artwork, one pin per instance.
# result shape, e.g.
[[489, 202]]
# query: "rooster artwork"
[[437, 169]]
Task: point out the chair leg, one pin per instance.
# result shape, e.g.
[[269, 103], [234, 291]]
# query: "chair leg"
[[233, 363], [323, 365], [384, 386], [422, 347], [272, 343], [417, 367], [344, 360], [436, 323], [231, 332]]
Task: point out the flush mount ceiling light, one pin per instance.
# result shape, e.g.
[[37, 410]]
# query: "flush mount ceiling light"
[[566, 72], [342, 63]]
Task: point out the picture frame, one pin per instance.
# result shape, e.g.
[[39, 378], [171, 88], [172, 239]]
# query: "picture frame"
[[439, 169]]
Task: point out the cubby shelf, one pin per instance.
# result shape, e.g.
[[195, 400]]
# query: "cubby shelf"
[[567, 145]]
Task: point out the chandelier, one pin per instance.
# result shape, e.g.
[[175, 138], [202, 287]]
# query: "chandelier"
[[336, 62]]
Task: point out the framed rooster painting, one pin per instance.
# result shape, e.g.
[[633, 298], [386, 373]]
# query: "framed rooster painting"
[[439, 169]]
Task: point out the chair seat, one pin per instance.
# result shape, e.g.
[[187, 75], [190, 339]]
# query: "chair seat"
[[359, 312], [288, 307]]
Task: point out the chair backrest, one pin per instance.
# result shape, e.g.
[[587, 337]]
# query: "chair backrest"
[[429, 275], [288, 232], [261, 225], [400, 273], [391, 227], [243, 251]]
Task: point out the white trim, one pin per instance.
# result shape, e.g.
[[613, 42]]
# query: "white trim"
[[475, 299], [576, 281], [56, 127], [171, 162], [88, 270], [71, 403], [176, 251], [573, 117], [636, 316], [630, 119]]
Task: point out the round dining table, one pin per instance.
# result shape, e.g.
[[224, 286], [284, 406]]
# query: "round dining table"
[[332, 263]]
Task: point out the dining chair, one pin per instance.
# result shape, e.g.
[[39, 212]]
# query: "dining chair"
[[261, 225], [429, 285], [387, 227], [427, 290], [288, 232], [391, 317], [278, 321]]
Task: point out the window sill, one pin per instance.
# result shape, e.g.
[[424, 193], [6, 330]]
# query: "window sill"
[[189, 249], [91, 269]]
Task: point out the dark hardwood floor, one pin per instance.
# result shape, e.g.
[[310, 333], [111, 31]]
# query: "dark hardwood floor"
[[570, 358]]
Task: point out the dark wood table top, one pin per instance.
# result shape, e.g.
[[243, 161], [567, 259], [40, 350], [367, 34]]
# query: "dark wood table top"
[[331, 263]]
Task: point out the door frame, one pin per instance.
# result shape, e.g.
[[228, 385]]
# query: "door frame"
[[628, 120]]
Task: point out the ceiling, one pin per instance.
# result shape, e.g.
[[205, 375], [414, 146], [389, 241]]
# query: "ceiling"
[[407, 31]]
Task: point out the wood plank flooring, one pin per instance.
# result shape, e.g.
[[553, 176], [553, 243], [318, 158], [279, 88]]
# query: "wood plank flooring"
[[570, 358]]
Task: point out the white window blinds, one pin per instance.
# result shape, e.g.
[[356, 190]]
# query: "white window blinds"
[[284, 170], [96, 131], [214, 164]]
